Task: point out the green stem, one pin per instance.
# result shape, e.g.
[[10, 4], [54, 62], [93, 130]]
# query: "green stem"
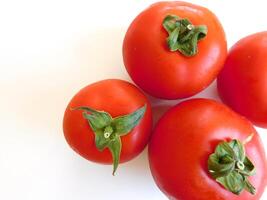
[[108, 131], [230, 166], [183, 35]]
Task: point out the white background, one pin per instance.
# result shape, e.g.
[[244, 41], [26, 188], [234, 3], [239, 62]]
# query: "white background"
[[48, 51]]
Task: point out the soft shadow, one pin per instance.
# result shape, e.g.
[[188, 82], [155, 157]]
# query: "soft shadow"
[[209, 93], [159, 111], [138, 165], [160, 106]]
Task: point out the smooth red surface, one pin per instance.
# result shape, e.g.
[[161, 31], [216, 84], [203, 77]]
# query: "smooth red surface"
[[116, 97], [166, 74], [182, 142], [242, 84]]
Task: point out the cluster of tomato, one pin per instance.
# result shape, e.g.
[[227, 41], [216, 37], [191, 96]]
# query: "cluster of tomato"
[[200, 148]]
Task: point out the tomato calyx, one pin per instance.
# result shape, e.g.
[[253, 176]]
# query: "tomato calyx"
[[230, 166], [108, 130], [183, 35]]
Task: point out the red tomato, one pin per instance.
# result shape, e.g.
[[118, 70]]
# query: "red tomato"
[[170, 74], [182, 142], [117, 98], [242, 84]]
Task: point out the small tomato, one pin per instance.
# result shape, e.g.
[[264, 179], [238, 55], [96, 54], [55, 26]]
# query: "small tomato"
[[108, 122]]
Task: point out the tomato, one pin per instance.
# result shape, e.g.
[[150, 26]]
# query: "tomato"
[[107, 118], [242, 84], [174, 49], [182, 149]]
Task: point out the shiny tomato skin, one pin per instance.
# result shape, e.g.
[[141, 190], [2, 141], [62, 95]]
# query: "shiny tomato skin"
[[242, 84], [117, 97], [184, 138], [171, 75]]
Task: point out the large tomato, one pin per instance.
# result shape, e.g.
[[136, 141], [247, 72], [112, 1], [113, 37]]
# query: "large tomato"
[[202, 150], [242, 84], [108, 121], [174, 49]]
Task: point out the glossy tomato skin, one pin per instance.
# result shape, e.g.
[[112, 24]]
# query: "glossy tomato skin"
[[118, 98], [184, 138], [166, 74], [242, 84]]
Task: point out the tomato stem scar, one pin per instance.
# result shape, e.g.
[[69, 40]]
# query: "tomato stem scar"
[[230, 166], [240, 165], [108, 131], [183, 35]]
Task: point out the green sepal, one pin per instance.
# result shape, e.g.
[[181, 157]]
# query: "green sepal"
[[115, 149], [169, 23], [124, 124], [249, 169], [233, 182], [239, 150], [108, 130], [249, 187], [224, 149], [218, 168], [97, 119], [183, 35], [230, 166]]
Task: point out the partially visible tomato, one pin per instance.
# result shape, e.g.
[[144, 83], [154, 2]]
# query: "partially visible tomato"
[[181, 153], [185, 63], [242, 84], [117, 99]]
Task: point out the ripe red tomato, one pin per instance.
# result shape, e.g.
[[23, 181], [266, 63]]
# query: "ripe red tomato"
[[242, 84], [117, 98], [182, 147], [181, 66]]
